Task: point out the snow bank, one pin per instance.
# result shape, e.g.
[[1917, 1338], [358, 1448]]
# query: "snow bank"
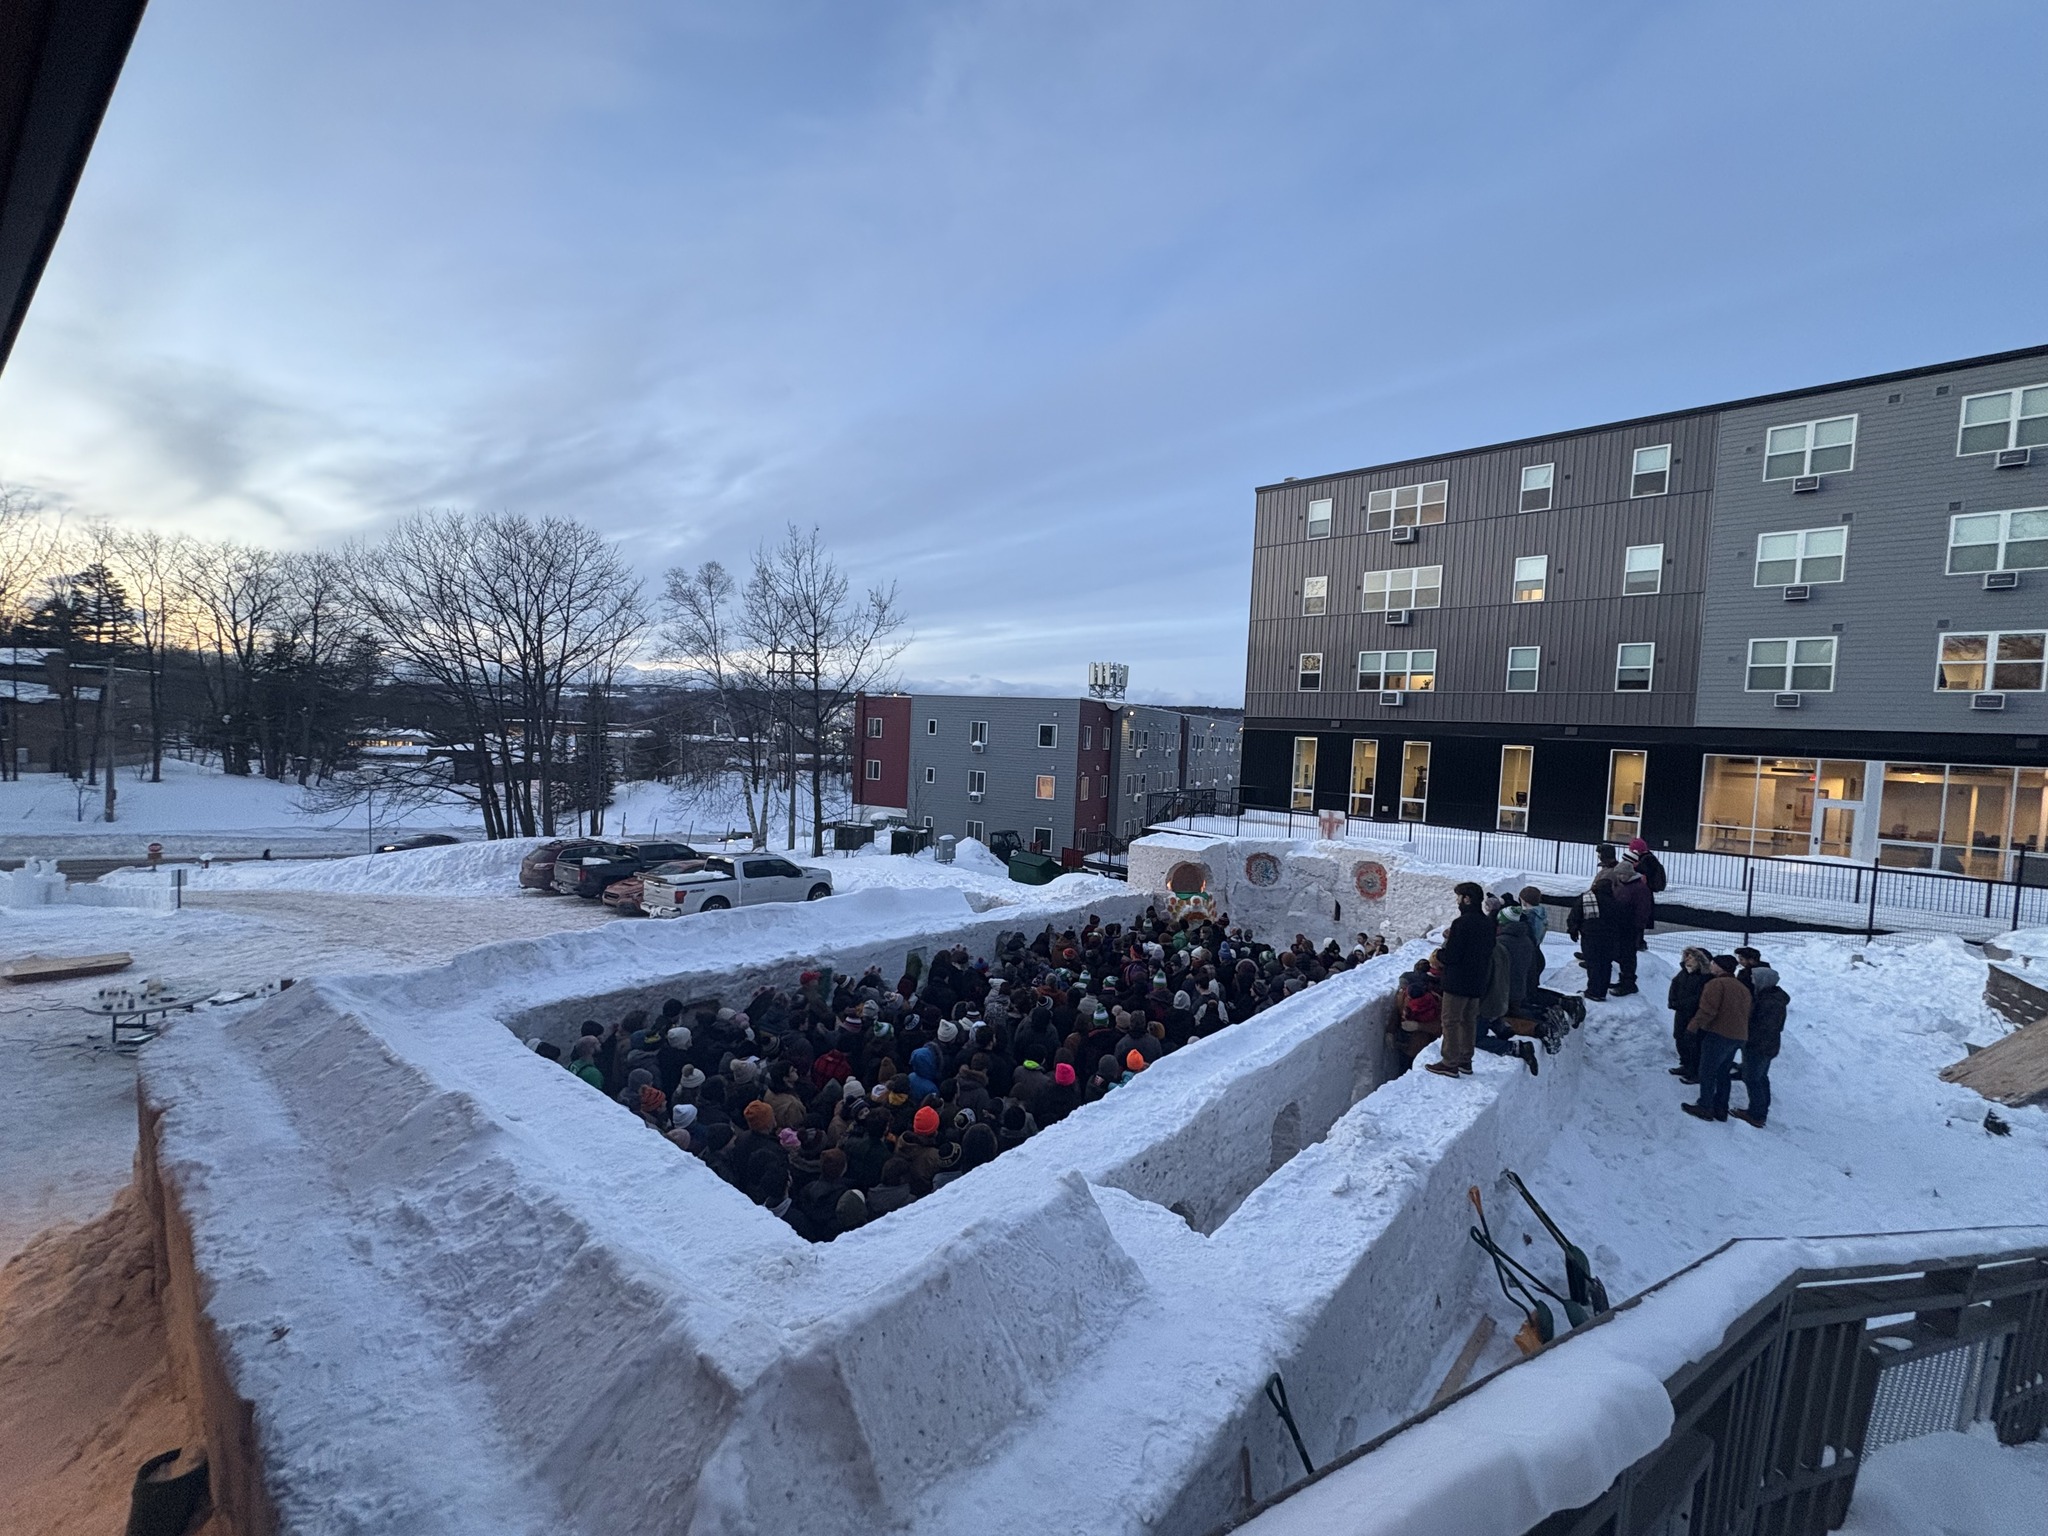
[[456, 869]]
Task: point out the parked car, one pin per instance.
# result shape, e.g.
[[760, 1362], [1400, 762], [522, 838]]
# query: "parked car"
[[424, 840], [537, 869], [745, 881], [585, 869], [623, 896]]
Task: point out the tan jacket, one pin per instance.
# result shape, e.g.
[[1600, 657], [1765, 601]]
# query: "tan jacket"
[[1723, 1009]]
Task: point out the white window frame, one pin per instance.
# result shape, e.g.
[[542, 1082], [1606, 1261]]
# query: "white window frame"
[[1620, 826], [2004, 540], [1649, 668], [1991, 662], [2014, 421], [1416, 588], [1509, 817], [1303, 671], [977, 781], [1041, 839], [1383, 508], [1327, 520], [1413, 754], [1542, 578], [931, 775], [1300, 796], [1636, 471], [1788, 669], [977, 732], [1534, 669], [874, 770], [1806, 450], [1047, 787], [974, 831], [1547, 487], [1315, 596], [1656, 569], [1801, 577], [1407, 671], [1048, 733], [874, 727], [931, 727]]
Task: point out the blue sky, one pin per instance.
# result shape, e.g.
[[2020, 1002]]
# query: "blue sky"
[[1018, 302]]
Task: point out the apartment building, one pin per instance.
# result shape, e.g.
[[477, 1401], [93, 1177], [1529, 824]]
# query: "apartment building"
[[1810, 622]]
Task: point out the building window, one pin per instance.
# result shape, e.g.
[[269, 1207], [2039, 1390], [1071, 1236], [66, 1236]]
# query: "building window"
[[1642, 570], [1319, 518], [1651, 475], [1998, 541], [977, 781], [1041, 839], [2008, 662], [931, 727], [974, 831], [1406, 506], [1315, 595], [1309, 677], [1792, 666], [1532, 574], [1780, 805], [1415, 781], [1365, 768], [1524, 664], [927, 823], [1048, 735], [1965, 819], [1512, 809], [874, 725], [1625, 774], [1397, 671], [1536, 485], [874, 768], [1810, 448], [931, 775], [1633, 663], [1301, 794], [2010, 418], [977, 733], [1805, 556], [1084, 786], [1045, 786], [1419, 586]]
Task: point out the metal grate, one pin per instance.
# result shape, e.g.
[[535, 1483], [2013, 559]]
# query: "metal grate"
[[1926, 1393]]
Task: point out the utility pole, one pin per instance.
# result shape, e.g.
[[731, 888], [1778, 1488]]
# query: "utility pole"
[[107, 735], [792, 751]]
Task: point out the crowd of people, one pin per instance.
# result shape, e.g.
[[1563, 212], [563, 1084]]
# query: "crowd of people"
[[1722, 1005], [1481, 989], [841, 1098]]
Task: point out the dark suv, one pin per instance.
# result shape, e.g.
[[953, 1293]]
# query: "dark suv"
[[586, 868]]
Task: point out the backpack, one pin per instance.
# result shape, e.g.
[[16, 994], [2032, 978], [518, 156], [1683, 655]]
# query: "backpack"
[[1652, 871]]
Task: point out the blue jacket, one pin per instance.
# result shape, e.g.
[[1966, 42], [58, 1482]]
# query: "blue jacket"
[[924, 1071]]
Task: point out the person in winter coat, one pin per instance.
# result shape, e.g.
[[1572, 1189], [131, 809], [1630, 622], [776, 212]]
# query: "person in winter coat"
[[1651, 869], [1694, 971], [1766, 1032], [1522, 957], [1630, 898], [1418, 1008], [1593, 923], [1722, 1022], [1468, 962], [1061, 1098], [1492, 1034], [925, 1072]]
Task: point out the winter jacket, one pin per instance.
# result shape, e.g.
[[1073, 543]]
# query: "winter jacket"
[[1723, 1009], [925, 1071], [1632, 898], [1493, 1003], [1537, 919], [1468, 953], [1592, 912], [1652, 871], [1684, 996], [1421, 1005], [1514, 938], [1766, 1014], [1056, 1103]]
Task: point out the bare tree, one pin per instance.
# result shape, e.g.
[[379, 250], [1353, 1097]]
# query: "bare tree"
[[235, 594], [29, 547], [154, 568], [709, 631]]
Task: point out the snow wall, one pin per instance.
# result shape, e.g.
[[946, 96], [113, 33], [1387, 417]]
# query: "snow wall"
[[424, 1279]]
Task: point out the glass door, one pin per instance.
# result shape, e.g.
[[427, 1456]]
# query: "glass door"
[[1838, 801], [1515, 766], [1302, 797], [1625, 774], [1365, 767], [1415, 781]]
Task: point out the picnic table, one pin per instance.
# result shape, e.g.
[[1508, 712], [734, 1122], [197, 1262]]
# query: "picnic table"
[[132, 1010]]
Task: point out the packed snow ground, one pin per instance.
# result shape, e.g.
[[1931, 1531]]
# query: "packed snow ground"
[[1952, 1485]]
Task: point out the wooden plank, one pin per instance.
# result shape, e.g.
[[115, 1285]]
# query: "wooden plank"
[[1482, 1335], [65, 967], [2012, 1071]]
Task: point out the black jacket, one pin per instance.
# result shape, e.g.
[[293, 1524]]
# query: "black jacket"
[[1468, 953], [1767, 1014], [1684, 995]]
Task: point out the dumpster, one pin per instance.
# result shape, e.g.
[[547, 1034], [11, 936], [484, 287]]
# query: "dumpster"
[[849, 835], [909, 839], [1029, 868], [945, 850]]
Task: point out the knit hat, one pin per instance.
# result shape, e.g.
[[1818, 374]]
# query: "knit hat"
[[948, 1032], [1182, 1001], [852, 1089], [690, 1077], [679, 1038], [745, 1069], [925, 1122], [533, 1042], [1063, 1074], [851, 1211], [788, 1138], [682, 1117], [759, 1117], [652, 1100], [1134, 1059]]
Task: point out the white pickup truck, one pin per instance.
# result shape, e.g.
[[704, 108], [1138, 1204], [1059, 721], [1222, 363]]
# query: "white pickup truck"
[[718, 882]]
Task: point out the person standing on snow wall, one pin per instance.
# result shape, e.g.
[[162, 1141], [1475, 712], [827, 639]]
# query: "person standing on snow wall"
[[1594, 922], [1629, 905], [1468, 963], [1722, 1023]]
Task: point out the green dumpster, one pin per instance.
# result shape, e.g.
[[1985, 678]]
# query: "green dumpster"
[[1028, 868]]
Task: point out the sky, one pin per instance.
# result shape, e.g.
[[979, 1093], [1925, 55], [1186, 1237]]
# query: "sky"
[[1017, 303]]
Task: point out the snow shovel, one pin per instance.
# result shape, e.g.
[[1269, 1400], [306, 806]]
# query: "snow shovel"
[[1585, 1287], [1539, 1326]]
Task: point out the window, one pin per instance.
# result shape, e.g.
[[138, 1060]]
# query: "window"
[[1309, 679], [1998, 541], [1512, 808], [1810, 448], [974, 831], [1419, 586], [1625, 774], [1781, 805], [931, 727], [1633, 664], [1792, 666], [1966, 819], [1532, 572], [977, 781], [2001, 663], [1084, 786], [1406, 506], [1365, 767], [1045, 786], [1302, 792], [1041, 839], [1414, 781], [1652, 473], [874, 725], [2011, 418], [977, 732], [874, 768], [931, 775], [1524, 663], [1397, 671], [1806, 556], [1319, 518], [1536, 485], [1048, 735], [1642, 570], [1315, 595]]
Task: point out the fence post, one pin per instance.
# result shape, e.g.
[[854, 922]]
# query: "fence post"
[[1748, 900], [1557, 855], [178, 889], [1870, 922], [2019, 884], [1479, 858]]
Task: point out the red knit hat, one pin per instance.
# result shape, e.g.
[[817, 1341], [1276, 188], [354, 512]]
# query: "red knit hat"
[[759, 1117], [1063, 1074], [925, 1122], [1135, 1060]]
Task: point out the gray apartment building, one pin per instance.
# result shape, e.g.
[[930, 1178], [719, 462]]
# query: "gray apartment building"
[[1061, 773], [1810, 622]]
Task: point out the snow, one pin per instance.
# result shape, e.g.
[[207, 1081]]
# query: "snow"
[[1952, 1484], [456, 869]]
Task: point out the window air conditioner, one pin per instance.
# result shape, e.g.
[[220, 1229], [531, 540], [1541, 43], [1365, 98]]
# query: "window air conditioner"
[[977, 795], [977, 746], [2001, 581], [1397, 615], [1798, 594], [1407, 535], [1392, 699], [1987, 701], [2014, 458], [1804, 483], [1785, 700]]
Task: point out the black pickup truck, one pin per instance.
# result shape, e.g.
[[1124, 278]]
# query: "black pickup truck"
[[585, 869]]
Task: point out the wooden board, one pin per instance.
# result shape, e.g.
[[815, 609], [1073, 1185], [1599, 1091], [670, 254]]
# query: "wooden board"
[[65, 967], [2013, 1071]]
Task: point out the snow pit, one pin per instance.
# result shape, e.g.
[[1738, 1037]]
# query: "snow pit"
[[428, 1280]]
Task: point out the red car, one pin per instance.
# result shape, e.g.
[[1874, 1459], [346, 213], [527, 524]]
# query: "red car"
[[623, 896]]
